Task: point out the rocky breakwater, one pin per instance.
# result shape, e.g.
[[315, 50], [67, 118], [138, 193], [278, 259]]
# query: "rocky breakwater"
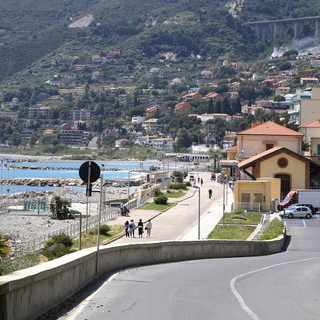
[[35, 167], [63, 182], [43, 182]]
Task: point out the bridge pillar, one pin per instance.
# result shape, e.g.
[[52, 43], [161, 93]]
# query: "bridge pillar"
[[261, 33], [317, 28], [278, 30], [298, 28]]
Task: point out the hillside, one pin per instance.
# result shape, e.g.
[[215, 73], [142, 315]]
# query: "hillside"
[[31, 30]]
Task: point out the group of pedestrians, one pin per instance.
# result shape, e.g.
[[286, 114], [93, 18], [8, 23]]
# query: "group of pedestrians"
[[130, 227]]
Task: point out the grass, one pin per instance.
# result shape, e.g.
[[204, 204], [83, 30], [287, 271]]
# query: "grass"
[[174, 194], [88, 240], [274, 229], [8, 265], [242, 218], [159, 207], [231, 232]]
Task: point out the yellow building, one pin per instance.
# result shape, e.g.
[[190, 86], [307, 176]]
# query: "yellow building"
[[294, 170], [256, 195]]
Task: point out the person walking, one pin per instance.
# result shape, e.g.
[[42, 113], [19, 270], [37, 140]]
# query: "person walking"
[[210, 193], [126, 228], [148, 228], [201, 181], [132, 226], [140, 228]]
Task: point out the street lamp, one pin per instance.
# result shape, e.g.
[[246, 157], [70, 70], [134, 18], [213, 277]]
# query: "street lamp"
[[198, 212], [224, 181]]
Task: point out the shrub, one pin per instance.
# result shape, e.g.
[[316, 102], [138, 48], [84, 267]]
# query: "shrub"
[[177, 186], [188, 184], [239, 211], [157, 192], [4, 247], [104, 230], [160, 200], [178, 176], [58, 246]]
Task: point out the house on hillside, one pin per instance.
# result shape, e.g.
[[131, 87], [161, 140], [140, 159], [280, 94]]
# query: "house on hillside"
[[281, 91], [215, 97], [183, 108], [152, 125], [309, 81], [194, 96]]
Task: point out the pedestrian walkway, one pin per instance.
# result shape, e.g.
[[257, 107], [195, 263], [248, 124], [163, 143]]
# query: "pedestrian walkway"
[[180, 222]]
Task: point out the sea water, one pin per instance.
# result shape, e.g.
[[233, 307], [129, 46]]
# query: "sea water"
[[11, 170]]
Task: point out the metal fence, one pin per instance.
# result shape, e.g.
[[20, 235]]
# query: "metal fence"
[[252, 206], [20, 247]]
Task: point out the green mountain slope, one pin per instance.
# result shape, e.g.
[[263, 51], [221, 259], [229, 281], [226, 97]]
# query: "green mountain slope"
[[32, 29]]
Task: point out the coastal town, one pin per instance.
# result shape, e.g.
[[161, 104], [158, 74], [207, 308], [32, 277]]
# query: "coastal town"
[[159, 160]]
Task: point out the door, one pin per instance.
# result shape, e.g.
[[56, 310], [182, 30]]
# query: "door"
[[285, 184], [245, 201]]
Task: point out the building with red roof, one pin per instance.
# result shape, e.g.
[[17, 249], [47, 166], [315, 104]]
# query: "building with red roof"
[[266, 136]]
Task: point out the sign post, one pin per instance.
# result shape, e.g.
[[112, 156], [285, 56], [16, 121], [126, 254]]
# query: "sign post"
[[89, 172]]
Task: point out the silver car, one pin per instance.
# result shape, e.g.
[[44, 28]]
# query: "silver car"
[[297, 212]]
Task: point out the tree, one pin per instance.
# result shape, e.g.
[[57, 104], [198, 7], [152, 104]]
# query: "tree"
[[210, 106], [15, 139], [218, 107], [290, 53], [216, 155], [278, 98], [183, 139], [236, 107], [59, 208], [225, 107]]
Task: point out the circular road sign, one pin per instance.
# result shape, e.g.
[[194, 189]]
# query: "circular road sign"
[[93, 168]]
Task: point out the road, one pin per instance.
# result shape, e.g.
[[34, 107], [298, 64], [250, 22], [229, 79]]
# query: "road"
[[280, 286]]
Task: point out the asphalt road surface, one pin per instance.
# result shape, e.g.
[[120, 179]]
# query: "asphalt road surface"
[[280, 286]]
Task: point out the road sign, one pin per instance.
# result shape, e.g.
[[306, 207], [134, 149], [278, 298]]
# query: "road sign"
[[89, 171]]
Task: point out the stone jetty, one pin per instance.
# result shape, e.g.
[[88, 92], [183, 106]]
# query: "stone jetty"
[[62, 182]]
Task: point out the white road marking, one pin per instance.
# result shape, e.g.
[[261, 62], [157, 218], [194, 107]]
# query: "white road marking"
[[238, 296]]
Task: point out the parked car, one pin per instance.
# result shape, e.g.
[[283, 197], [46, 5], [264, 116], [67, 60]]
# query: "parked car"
[[297, 212], [313, 210]]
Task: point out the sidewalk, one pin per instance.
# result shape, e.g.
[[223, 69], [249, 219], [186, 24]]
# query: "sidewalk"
[[180, 222]]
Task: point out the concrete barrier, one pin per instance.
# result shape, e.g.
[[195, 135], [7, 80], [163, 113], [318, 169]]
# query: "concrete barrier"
[[29, 293]]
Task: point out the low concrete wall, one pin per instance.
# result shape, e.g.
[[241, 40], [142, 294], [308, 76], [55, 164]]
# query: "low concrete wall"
[[28, 293]]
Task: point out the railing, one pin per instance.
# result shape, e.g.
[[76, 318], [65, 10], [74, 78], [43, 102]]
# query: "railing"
[[252, 206], [19, 247]]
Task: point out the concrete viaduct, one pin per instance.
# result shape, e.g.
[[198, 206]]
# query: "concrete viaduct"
[[278, 26]]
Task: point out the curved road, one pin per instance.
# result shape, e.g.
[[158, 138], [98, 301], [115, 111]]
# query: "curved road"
[[281, 286]]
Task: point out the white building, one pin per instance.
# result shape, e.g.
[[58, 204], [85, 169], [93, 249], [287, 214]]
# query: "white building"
[[137, 120]]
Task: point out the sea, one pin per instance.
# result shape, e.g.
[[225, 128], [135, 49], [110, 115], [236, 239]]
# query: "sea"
[[12, 170]]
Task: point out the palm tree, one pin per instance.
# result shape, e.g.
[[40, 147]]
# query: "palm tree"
[[4, 247], [216, 155]]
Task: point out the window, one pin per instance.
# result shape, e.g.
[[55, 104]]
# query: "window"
[[282, 163], [318, 149]]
